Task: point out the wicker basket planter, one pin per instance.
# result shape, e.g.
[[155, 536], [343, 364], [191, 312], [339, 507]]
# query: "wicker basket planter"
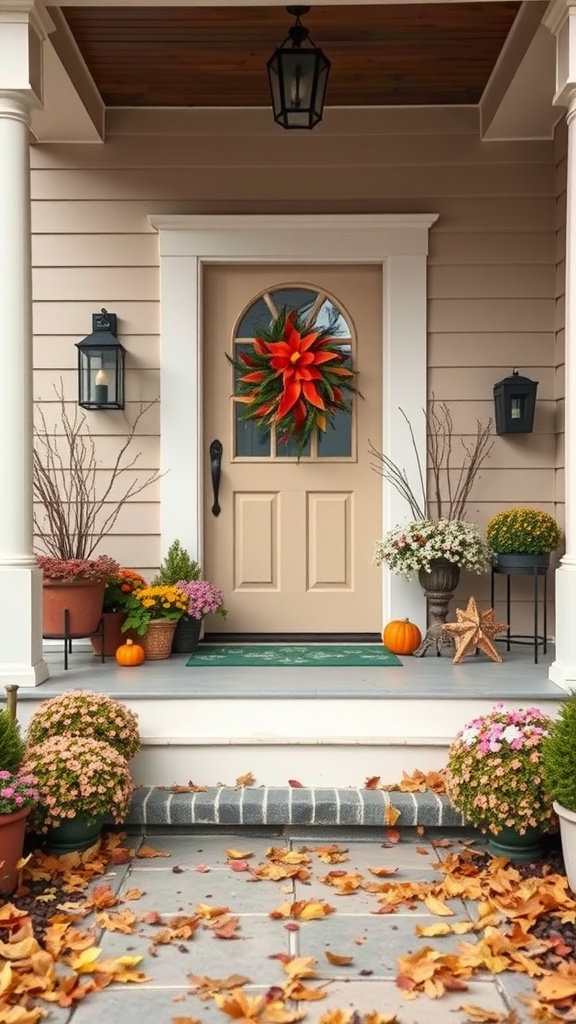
[[157, 641]]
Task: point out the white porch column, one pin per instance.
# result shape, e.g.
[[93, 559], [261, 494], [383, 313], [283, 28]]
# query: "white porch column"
[[20, 581], [561, 20]]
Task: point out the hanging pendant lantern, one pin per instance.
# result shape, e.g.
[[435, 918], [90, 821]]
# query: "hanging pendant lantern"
[[298, 73]]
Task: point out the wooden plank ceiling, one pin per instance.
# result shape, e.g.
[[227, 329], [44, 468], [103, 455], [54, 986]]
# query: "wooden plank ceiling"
[[216, 56]]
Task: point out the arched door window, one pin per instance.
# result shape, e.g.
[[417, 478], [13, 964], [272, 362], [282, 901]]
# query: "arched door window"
[[319, 310]]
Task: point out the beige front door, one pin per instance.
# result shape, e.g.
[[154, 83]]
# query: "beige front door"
[[292, 545]]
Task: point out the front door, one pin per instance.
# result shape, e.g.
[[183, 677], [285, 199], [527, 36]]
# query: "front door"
[[292, 545]]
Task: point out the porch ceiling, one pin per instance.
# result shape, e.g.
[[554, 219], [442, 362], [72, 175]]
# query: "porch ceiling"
[[382, 55]]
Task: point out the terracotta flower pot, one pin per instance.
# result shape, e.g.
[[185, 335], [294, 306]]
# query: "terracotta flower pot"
[[12, 830], [81, 600], [113, 635]]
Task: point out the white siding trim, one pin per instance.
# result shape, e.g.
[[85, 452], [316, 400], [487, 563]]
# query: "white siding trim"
[[398, 242]]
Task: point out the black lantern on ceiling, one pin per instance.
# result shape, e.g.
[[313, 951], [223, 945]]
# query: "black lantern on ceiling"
[[101, 365], [514, 404], [298, 74]]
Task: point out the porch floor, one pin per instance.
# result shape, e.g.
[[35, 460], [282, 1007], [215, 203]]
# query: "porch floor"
[[428, 678]]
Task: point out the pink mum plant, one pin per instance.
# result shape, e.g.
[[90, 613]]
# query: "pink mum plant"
[[203, 598], [494, 772], [88, 714], [77, 776]]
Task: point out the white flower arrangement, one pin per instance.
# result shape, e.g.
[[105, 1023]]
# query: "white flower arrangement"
[[413, 546]]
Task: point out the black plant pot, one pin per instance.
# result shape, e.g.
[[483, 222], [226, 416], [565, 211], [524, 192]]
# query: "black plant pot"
[[187, 635]]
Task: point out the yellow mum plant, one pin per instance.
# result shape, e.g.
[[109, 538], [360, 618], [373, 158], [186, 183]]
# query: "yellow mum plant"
[[523, 531], [162, 602]]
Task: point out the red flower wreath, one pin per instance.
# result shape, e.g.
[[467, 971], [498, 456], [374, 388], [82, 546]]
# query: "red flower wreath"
[[296, 380]]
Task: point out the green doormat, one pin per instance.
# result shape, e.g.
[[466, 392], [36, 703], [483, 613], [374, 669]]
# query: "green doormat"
[[293, 655]]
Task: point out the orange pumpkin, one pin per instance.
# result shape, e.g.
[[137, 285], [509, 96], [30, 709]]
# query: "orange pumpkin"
[[130, 654], [401, 636]]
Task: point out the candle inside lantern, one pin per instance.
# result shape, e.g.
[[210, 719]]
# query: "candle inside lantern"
[[516, 409], [101, 387]]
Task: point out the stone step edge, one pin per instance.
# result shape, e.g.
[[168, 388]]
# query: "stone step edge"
[[286, 805]]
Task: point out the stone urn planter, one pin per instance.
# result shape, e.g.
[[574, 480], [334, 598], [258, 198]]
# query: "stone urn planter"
[[439, 585]]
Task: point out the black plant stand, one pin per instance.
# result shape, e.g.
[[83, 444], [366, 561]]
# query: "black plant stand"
[[68, 637], [537, 571]]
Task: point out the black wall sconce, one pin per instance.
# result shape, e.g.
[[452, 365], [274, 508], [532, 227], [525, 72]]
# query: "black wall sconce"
[[514, 404], [298, 74], [101, 365]]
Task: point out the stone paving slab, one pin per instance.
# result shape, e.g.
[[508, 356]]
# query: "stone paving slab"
[[373, 948], [170, 894], [368, 995], [258, 936]]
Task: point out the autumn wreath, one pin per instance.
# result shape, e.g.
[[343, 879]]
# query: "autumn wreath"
[[296, 380]]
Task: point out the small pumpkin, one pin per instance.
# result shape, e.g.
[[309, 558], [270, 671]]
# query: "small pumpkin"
[[401, 636], [130, 654]]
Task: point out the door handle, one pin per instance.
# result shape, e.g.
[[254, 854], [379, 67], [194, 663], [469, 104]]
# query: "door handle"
[[215, 471]]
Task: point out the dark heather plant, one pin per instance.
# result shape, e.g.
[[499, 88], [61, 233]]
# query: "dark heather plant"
[[559, 755], [75, 503], [451, 476], [177, 565]]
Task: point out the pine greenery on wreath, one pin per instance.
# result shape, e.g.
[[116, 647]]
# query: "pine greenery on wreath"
[[296, 380]]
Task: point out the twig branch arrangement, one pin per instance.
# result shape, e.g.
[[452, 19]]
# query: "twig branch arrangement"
[[70, 519], [450, 485]]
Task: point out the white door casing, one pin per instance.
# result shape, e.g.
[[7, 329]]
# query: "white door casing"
[[399, 243]]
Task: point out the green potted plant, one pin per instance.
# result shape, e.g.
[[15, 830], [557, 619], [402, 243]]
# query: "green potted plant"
[[494, 777], [18, 795], [203, 599], [11, 742], [559, 764], [523, 537], [177, 565], [80, 781], [116, 593], [88, 714], [73, 593], [153, 612]]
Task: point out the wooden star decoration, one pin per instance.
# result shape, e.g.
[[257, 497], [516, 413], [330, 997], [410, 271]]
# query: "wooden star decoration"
[[474, 631]]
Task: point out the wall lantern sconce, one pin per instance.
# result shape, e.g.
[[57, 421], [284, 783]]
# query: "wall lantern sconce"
[[298, 74], [101, 365], [514, 404]]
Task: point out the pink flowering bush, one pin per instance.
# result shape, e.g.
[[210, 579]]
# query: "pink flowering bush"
[[494, 771], [16, 791], [97, 570], [203, 598], [88, 714], [77, 775]]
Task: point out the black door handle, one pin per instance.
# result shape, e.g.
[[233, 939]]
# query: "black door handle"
[[215, 470]]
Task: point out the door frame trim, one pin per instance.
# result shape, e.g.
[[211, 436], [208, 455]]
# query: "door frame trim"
[[397, 242]]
